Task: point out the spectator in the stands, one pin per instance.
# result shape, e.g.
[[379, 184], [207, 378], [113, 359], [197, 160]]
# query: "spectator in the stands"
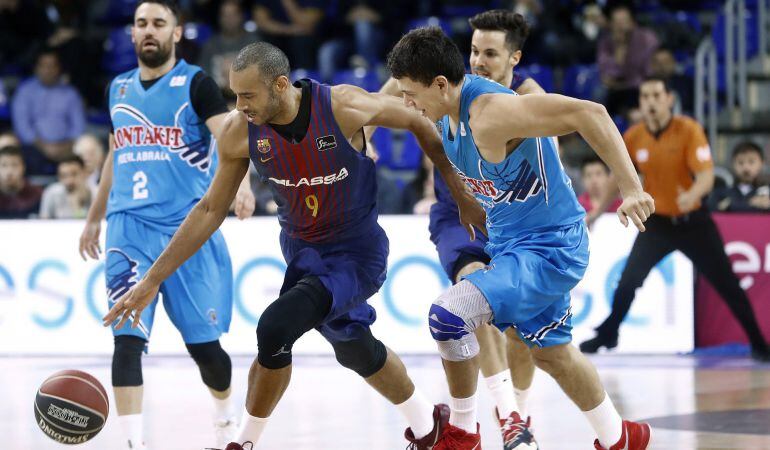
[[219, 51], [664, 65], [91, 150], [70, 197], [623, 54], [353, 33], [292, 25], [750, 191], [23, 26], [47, 113], [18, 197], [595, 177]]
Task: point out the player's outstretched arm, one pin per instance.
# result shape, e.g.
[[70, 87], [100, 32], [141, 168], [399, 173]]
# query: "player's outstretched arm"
[[245, 203], [355, 108], [89, 238], [496, 119], [204, 219]]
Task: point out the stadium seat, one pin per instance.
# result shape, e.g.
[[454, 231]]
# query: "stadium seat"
[[197, 32], [365, 79], [581, 81], [5, 112], [298, 74], [119, 53], [541, 73], [398, 149], [430, 22], [718, 32]]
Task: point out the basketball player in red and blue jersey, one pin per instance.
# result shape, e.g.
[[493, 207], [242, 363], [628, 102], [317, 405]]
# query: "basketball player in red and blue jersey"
[[306, 141], [506, 363]]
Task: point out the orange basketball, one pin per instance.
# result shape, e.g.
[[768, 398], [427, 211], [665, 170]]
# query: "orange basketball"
[[71, 407]]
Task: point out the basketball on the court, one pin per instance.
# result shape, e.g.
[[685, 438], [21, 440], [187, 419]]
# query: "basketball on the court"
[[71, 407]]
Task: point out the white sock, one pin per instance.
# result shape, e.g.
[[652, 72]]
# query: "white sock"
[[251, 428], [463, 413], [132, 429], [522, 397], [418, 412], [501, 388], [606, 422], [223, 408]]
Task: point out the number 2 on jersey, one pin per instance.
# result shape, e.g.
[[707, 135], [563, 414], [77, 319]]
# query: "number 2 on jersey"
[[140, 186], [311, 201]]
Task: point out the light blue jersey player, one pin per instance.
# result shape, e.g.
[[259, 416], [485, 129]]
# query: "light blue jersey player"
[[162, 159], [538, 242]]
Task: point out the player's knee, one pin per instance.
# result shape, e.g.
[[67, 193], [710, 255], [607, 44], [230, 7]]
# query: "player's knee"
[[455, 338], [365, 356], [274, 341], [214, 364], [553, 360], [127, 361]]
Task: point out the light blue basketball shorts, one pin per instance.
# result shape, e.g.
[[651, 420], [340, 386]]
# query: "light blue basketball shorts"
[[528, 283], [198, 297]]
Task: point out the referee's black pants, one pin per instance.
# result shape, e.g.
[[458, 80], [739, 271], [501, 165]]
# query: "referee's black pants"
[[696, 236]]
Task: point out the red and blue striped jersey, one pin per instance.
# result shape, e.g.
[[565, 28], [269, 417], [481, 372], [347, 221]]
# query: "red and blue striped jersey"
[[325, 189]]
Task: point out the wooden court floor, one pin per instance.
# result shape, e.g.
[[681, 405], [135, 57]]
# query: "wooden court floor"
[[692, 403]]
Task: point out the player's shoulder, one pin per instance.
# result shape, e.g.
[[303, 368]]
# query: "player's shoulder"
[[347, 95], [235, 123]]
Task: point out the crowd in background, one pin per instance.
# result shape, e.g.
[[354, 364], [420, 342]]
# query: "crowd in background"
[[57, 57]]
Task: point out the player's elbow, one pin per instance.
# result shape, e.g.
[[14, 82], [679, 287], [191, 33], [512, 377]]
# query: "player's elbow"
[[210, 210], [594, 109]]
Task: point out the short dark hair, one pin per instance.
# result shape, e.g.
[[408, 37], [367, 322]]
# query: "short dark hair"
[[11, 150], [48, 51], [654, 78], [170, 5], [593, 159], [73, 159], [269, 59], [425, 53], [512, 24], [748, 147]]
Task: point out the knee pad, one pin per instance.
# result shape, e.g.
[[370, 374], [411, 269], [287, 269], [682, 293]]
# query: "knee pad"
[[454, 317], [365, 355], [214, 364], [294, 313], [127, 361]]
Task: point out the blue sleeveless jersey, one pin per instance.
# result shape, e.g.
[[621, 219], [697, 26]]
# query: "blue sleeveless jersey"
[[325, 189], [164, 155], [444, 199], [527, 192]]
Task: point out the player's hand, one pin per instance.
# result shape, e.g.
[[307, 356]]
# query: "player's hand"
[[89, 241], [244, 203], [636, 207], [131, 304], [471, 214]]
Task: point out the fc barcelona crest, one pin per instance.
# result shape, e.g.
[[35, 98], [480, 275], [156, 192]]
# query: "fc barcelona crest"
[[263, 145]]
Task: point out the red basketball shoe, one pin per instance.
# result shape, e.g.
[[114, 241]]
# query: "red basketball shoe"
[[635, 436], [454, 438], [440, 421], [516, 433]]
